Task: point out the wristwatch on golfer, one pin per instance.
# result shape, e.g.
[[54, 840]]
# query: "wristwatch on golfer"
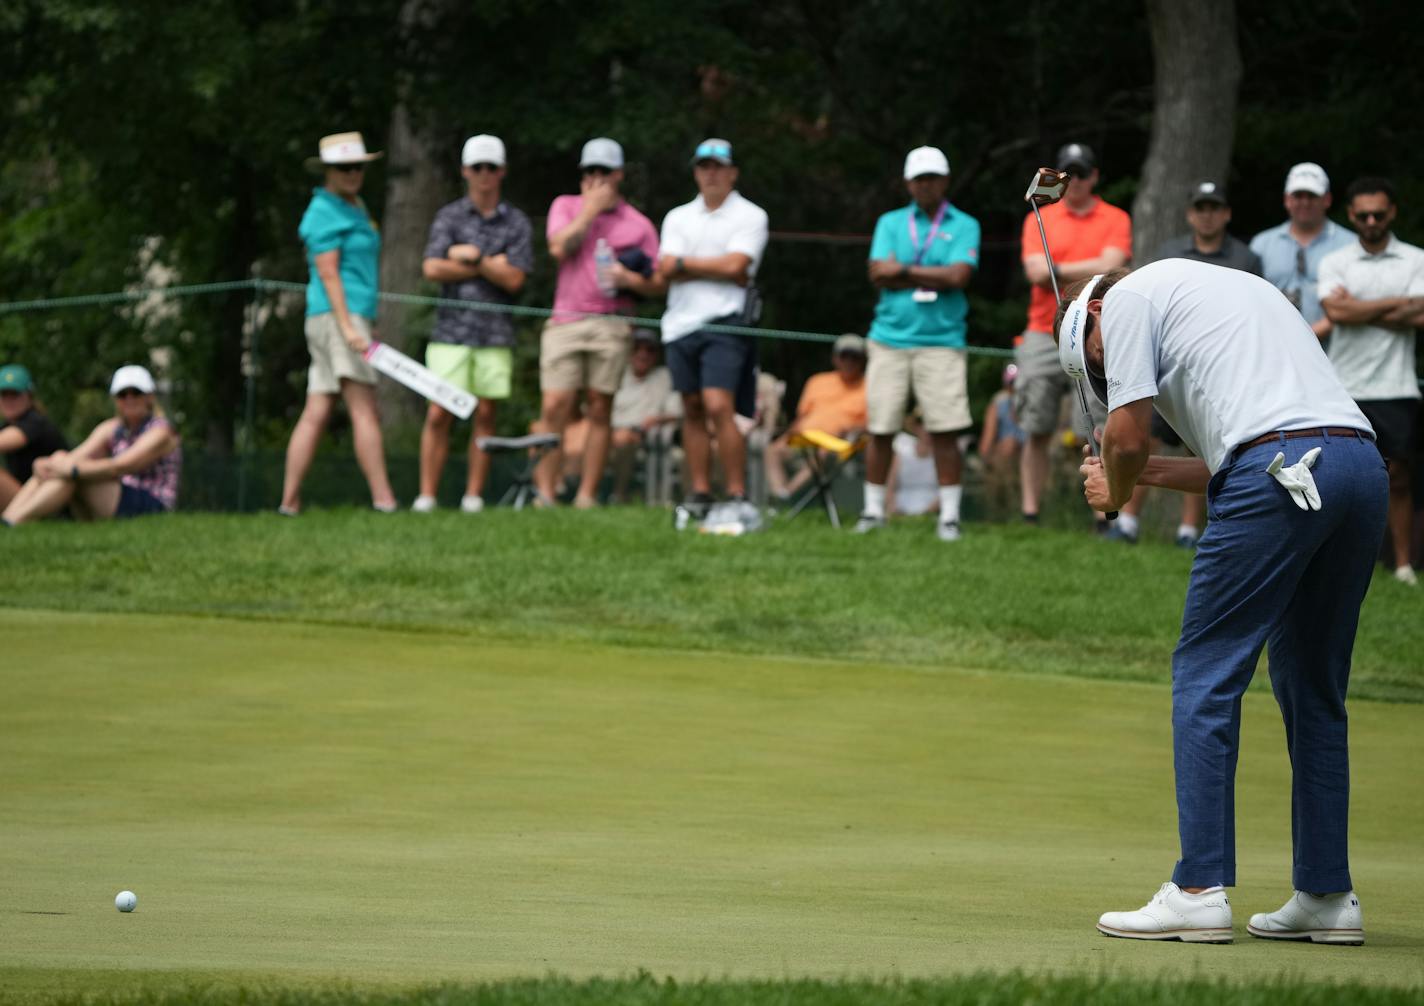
[[679, 266], [476, 260]]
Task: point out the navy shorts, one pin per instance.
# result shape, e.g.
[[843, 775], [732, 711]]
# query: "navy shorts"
[[705, 359], [1395, 421], [137, 503]]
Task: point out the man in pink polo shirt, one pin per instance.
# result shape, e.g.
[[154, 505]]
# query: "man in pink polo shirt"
[[606, 252]]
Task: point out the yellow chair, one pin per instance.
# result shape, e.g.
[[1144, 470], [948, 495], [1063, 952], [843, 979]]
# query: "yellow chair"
[[826, 454]]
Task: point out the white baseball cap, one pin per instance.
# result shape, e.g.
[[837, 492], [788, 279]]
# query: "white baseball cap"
[[1307, 177], [925, 161], [132, 376], [483, 149], [601, 152]]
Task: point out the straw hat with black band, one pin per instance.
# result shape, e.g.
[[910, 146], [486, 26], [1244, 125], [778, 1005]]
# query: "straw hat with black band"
[[341, 148]]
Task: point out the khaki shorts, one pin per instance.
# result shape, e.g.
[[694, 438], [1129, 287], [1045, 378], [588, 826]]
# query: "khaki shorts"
[[483, 371], [936, 375], [590, 353], [332, 361], [1041, 386]]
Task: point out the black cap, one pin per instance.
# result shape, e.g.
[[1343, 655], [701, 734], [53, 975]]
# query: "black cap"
[[1076, 155], [1207, 191]]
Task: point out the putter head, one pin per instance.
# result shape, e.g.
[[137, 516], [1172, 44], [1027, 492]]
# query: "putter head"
[[1048, 186]]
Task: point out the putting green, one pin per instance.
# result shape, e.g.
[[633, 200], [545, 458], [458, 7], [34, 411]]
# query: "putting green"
[[295, 803]]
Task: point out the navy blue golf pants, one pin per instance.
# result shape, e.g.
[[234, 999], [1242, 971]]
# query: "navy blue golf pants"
[[1270, 574]]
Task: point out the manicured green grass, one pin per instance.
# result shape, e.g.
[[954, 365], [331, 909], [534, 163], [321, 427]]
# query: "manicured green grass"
[[308, 808], [1004, 598]]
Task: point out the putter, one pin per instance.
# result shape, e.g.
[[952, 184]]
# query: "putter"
[[1048, 186], [418, 378]]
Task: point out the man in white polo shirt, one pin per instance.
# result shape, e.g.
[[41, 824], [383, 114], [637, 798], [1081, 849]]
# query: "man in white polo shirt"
[[1373, 290], [710, 251], [1297, 495]]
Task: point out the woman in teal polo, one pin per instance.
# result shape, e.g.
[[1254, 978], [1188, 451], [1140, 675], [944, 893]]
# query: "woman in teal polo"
[[343, 255]]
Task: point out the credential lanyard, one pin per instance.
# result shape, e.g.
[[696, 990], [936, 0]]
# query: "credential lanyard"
[[920, 249]]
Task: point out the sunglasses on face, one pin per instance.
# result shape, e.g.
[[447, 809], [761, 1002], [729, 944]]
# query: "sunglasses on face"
[[483, 166], [596, 170], [348, 168], [1300, 265], [1372, 216], [129, 393]]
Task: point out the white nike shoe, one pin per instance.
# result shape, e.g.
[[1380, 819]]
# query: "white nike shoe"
[[1335, 918], [1172, 914]]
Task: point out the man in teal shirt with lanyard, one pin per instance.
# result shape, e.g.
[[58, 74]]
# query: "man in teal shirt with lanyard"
[[921, 259]]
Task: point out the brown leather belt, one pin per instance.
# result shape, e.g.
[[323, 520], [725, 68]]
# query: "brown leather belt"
[[1316, 431]]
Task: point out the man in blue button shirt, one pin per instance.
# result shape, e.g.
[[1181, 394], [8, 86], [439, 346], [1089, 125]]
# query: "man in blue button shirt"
[[1291, 253], [921, 259]]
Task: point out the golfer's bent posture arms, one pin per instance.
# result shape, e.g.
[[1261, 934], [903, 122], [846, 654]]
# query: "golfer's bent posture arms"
[[1296, 494]]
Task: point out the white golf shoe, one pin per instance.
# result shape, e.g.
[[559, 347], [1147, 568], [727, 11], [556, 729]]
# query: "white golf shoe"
[[1335, 918], [1172, 914], [423, 504], [471, 504]]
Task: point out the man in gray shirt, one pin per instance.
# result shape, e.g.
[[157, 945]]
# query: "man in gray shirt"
[[1208, 213]]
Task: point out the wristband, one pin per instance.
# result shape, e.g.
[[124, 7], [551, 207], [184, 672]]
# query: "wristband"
[[905, 271], [679, 266], [74, 473]]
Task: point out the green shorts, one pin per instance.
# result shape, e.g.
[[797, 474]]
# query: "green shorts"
[[484, 372]]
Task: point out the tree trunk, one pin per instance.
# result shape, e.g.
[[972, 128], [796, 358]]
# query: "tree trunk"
[[418, 178], [1197, 66], [225, 377]]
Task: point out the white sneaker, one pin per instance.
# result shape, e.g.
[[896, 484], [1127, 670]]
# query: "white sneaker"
[[1172, 914], [948, 530], [471, 504], [423, 504], [1405, 575], [869, 522], [1335, 918]]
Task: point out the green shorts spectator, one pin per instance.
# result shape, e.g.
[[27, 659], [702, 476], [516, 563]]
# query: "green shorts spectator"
[[483, 371]]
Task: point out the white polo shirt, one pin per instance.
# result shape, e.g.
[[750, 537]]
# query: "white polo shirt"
[[1224, 354], [693, 231], [1374, 363]]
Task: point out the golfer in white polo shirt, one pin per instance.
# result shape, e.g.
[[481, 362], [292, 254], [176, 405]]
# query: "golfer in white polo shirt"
[[1296, 493]]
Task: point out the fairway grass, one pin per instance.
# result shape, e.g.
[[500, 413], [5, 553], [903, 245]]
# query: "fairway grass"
[[1004, 598], [299, 804]]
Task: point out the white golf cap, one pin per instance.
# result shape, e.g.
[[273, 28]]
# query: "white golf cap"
[[1073, 343], [132, 376], [483, 149], [925, 161], [601, 152], [1307, 177]]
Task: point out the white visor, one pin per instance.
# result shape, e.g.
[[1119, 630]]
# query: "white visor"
[[1073, 343]]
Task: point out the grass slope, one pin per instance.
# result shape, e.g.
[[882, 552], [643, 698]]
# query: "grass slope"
[[1004, 598], [310, 807]]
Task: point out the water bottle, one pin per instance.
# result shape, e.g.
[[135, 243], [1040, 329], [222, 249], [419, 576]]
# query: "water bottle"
[[603, 268]]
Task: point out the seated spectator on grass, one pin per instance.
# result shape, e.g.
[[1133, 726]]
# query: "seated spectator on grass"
[[644, 408], [128, 467], [27, 434], [912, 488], [832, 402], [1001, 441]]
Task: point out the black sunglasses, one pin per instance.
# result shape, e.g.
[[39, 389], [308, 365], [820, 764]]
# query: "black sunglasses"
[[484, 166], [594, 169], [1370, 216], [1300, 264], [128, 393], [347, 167]]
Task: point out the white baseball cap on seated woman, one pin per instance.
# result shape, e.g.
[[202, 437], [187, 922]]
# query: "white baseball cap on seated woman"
[[132, 376], [341, 148]]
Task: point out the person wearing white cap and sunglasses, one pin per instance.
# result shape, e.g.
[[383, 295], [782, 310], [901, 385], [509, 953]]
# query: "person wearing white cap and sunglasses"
[[129, 466], [606, 250], [480, 249], [1291, 252], [921, 259], [343, 250], [1296, 491]]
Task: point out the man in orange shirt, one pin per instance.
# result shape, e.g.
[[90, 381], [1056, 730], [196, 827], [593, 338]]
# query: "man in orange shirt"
[[832, 402], [1086, 236]]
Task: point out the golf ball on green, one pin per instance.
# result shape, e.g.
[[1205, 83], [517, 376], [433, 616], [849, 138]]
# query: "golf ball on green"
[[126, 901]]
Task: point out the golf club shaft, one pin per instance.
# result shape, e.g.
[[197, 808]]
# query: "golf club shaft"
[[1078, 385]]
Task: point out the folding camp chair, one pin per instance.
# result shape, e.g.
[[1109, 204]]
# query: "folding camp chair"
[[826, 455], [535, 446]]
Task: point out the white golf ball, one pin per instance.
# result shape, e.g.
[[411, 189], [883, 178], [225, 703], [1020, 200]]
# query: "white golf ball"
[[126, 901]]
